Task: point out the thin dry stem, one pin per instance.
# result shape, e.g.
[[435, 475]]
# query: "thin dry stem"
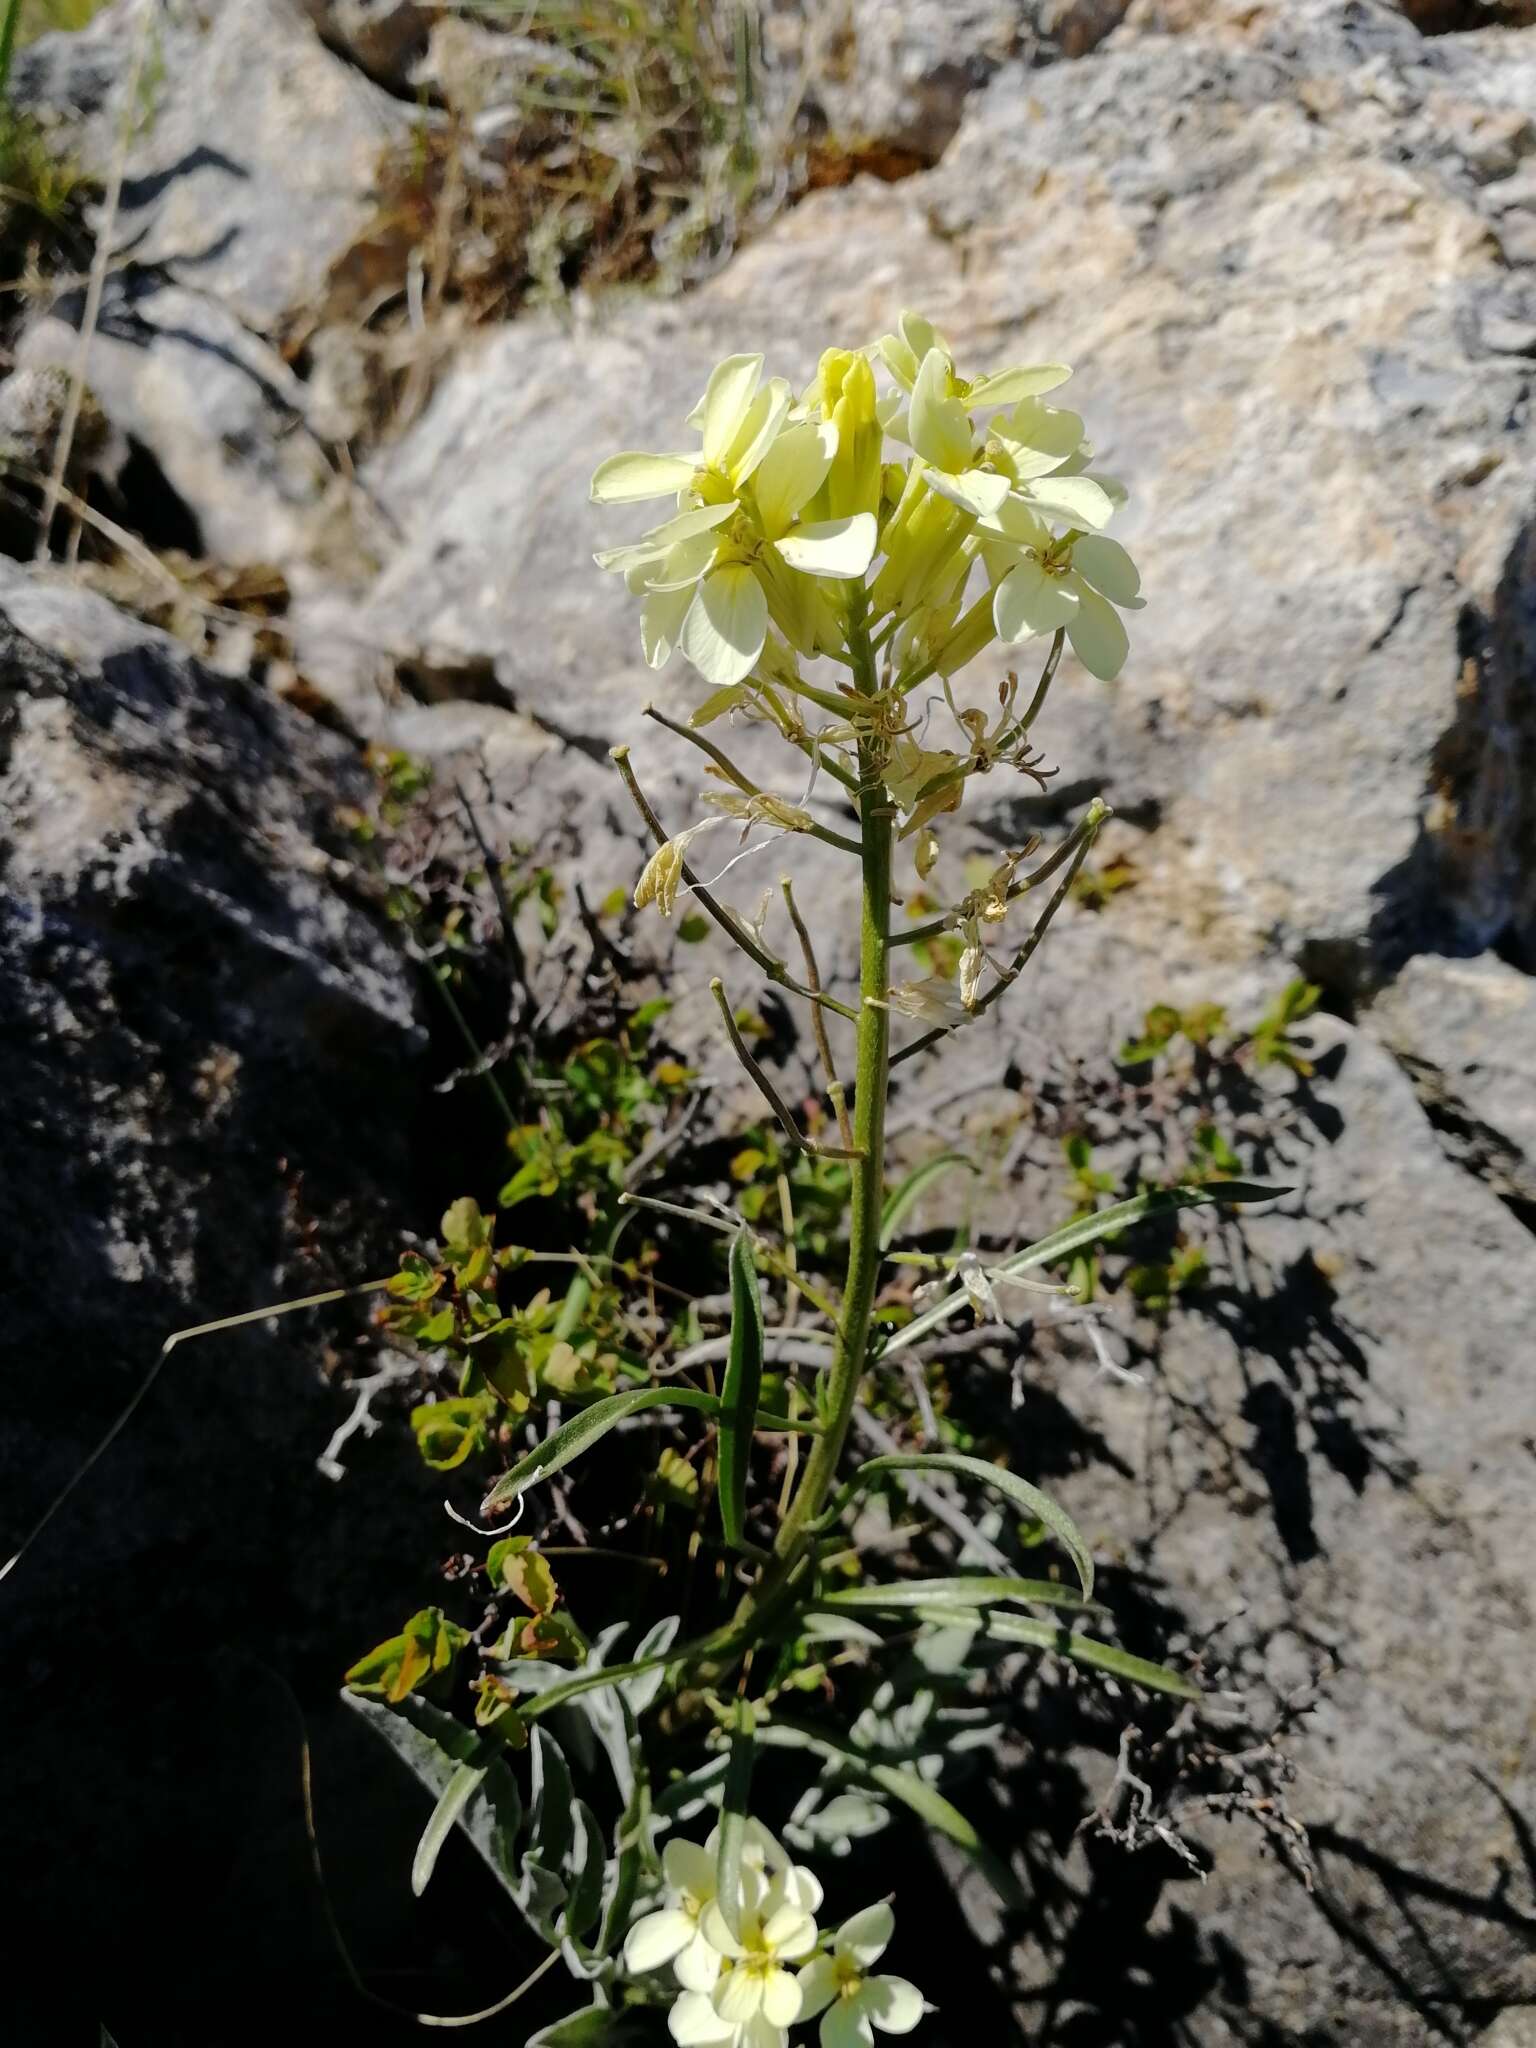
[[835, 1094], [765, 1087], [96, 285]]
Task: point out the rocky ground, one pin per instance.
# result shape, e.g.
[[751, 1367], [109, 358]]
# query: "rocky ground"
[[1291, 247]]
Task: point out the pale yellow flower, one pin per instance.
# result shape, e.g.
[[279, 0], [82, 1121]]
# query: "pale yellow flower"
[[1074, 582], [850, 1999]]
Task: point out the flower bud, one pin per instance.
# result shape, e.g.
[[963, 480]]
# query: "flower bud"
[[847, 391]]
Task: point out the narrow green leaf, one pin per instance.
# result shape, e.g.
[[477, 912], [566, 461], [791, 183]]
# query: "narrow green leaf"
[[593, 2027], [915, 1793], [551, 1815], [743, 1384], [1046, 1635], [1086, 1230], [596, 1419], [968, 1590], [907, 1193], [587, 1860], [819, 1626], [432, 1745], [585, 1681], [1028, 1499], [584, 1429], [734, 1809], [460, 1789]]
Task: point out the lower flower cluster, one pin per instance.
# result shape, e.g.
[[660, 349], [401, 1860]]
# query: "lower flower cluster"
[[745, 1977]]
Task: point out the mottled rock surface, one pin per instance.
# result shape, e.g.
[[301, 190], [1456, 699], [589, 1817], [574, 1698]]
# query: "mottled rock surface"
[[1291, 253], [211, 1059], [255, 163], [1292, 250], [1330, 495]]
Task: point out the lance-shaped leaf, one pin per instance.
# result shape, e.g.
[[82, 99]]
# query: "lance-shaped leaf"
[[585, 1428], [590, 1424], [743, 1384], [1028, 1499], [911, 1191], [1046, 1635], [734, 1808], [915, 1793], [966, 1590], [1087, 1230], [456, 1795]]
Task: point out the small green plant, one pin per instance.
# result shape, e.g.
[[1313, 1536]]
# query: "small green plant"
[[892, 539], [1270, 1042]]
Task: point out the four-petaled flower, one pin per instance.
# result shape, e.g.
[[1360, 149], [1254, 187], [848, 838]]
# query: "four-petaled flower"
[[1074, 582], [851, 2001], [674, 1933], [775, 1929]]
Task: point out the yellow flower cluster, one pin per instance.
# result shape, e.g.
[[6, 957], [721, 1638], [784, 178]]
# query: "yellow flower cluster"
[[744, 1981], [967, 511]]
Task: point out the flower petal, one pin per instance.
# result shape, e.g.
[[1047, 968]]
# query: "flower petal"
[[1016, 521], [781, 1998], [1028, 380], [846, 2025], [938, 424], [688, 1867], [894, 2005], [1077, 498], [626, 479], [1106, 565], [791, 473], [694, 2023], [973, 490], [758, 430], [738, 1997], [865, 1935], [763, 1850], [661, 540], [661, 620], [1028, 601], [832, 547], [652, 1942], [718, 1935], [802, 1886], [726, 625], [789, 1930], [721, 411], [1098, 636], [818, 1986], [1040, 438], [699, 1965]]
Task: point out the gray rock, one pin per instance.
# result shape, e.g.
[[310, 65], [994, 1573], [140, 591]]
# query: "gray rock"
[[879, 77], [257, 165], [1515, 2028], [258, 162], [194, 1003], [201, 1021], [1465, 1031], [1329, 494], [222, 415]]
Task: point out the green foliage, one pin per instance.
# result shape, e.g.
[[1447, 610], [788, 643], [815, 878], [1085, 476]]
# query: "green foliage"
[[595, 1108], [1270, 1041], [1158, 1283], [609, 1403], [743, 1389], [448, 1431], [1094, 887], [420, 1659], [1163, 1024]]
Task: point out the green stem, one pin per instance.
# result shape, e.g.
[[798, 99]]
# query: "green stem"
[[867, 1173]]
